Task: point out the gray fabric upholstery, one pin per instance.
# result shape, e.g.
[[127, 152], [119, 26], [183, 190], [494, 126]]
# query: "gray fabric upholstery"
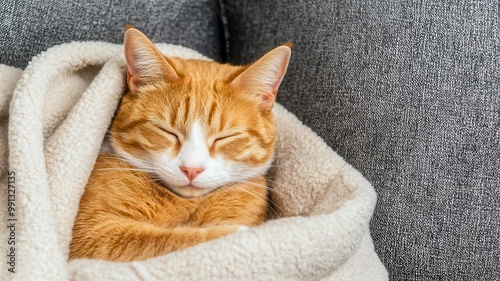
[[408, 92], [29, 27]]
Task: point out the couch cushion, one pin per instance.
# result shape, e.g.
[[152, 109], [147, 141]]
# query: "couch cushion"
[[29, 27], [409, 94]]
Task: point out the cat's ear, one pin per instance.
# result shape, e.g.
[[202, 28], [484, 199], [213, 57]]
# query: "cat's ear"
[[145, 63], [264, 76]]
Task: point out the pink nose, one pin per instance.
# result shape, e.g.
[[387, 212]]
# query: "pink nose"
[[191, 172]]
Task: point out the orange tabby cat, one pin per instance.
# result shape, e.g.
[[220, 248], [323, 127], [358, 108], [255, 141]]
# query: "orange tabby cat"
[[189, 147]]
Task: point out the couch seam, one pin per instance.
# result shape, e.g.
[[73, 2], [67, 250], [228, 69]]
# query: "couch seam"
[[225, 30]]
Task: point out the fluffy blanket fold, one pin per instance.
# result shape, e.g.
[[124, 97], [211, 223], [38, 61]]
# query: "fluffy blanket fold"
[[60, 108]]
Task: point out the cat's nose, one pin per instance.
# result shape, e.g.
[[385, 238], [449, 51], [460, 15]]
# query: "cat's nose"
[[192, 172]]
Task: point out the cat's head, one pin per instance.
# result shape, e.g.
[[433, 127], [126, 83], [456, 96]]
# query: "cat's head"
[[197, 125]]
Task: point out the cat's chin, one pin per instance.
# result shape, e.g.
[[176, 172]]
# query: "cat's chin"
[[189, 191]]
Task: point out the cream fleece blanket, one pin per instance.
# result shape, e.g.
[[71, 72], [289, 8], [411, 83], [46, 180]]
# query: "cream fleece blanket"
[[60, 108]]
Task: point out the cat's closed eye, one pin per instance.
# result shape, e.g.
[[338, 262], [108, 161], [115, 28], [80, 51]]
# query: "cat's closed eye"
[[168, 132], [226, 137]]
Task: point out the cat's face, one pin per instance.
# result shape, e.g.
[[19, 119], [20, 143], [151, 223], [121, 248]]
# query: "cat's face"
[[197, 125]]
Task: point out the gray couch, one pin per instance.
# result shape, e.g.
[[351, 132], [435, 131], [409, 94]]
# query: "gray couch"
[[406, 91]]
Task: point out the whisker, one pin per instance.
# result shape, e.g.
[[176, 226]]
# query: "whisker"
[[268, 202], [151, 164], [122, 169], [142, 181], [249, 168], [261, 185], [269, 180], [272, 205], [282, 195]]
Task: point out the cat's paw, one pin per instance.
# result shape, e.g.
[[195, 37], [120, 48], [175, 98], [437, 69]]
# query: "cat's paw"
[[217, 231], [242, 228]]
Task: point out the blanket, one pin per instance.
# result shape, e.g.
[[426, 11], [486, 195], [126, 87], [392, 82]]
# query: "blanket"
[[54, 116]]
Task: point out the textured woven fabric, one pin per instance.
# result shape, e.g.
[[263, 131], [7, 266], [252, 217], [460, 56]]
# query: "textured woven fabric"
[[29, 27], [408, 92]]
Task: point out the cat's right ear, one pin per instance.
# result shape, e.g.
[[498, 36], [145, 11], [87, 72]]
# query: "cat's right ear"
[[145, 63]]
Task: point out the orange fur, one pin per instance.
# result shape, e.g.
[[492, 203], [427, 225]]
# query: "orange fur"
[[127, 214], [124, 215]]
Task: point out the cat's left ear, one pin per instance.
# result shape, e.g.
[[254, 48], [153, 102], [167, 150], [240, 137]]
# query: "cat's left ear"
[[264, 76]]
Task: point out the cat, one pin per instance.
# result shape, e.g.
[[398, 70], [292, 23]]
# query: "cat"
[[190, 145]]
